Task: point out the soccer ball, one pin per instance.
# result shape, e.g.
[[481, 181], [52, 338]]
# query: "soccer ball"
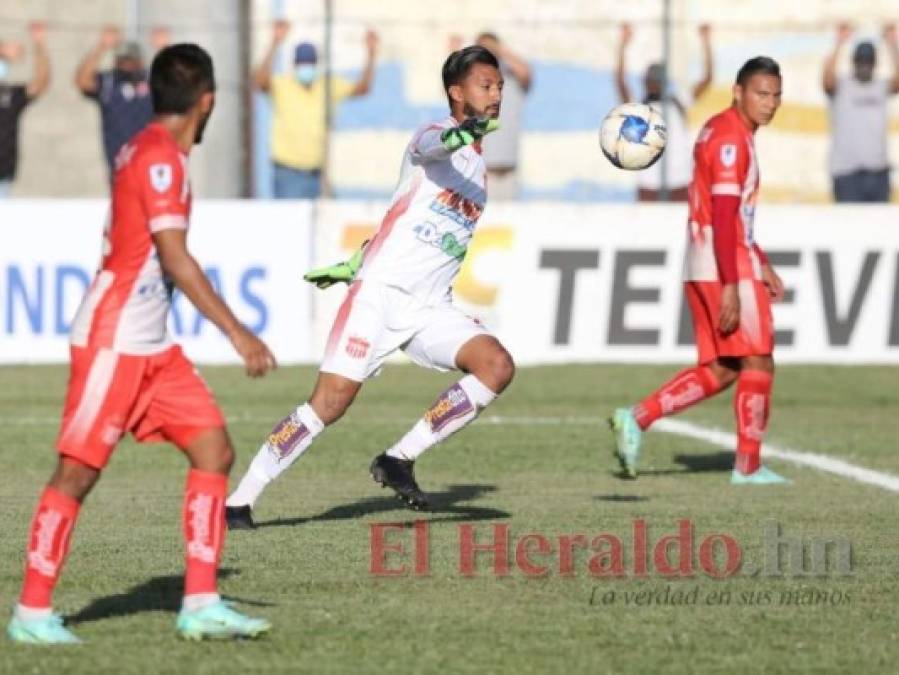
[[633, 136]]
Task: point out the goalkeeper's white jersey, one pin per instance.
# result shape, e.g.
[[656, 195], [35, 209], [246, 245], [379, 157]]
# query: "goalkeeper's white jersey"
[[423, 239]]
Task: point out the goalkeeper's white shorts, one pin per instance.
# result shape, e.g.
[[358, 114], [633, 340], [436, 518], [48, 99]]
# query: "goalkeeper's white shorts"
[[375, 320]]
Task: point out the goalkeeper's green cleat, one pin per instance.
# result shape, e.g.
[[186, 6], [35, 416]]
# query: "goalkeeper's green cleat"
[[46, 631], [627, 440], [342, 272], [762, 476], [219, 622]]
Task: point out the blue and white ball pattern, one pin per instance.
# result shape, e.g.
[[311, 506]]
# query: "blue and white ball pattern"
[[633, 136]]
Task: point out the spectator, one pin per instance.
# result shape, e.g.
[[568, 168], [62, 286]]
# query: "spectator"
[[14, 98], [122, 93], [501, 148], [298, 118], [858, 120], [679, 151]]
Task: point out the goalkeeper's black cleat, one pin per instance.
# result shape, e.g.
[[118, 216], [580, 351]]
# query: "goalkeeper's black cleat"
[[239, 518], [399, 476]]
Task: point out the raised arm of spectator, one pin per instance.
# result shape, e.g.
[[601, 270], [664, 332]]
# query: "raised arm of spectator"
[[262, 76], [363, 86], [705, 37], [40, 80], [521, 69], [86, 74], [844, 32], [892, 44], [624, 92]]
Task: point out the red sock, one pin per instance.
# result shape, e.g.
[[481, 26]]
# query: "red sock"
[[751, 407], [680, 392], [204, 529], [48, 544]]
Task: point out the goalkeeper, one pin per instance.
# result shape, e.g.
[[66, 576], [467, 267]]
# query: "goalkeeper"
[[400, 297]]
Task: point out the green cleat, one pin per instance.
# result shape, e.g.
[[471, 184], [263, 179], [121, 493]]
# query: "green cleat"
[[219, 622], [627, 440], [762, 476], [46, 631]]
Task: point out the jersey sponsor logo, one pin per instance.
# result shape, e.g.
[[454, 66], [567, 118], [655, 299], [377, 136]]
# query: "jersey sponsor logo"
[[728, 154], [287, 436], [161, 177], [457, 208], [447, 242], [453, 404], [357, 347]]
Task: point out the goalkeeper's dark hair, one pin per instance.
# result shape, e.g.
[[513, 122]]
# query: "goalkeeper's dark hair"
[[180, 74], [457, 65], [763, 65]]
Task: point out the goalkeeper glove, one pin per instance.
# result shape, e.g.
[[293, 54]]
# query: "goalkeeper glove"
[[323, 277], [471, 130]]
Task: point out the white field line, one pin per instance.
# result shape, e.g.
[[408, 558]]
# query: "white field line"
[[821, 462], [722, 439]]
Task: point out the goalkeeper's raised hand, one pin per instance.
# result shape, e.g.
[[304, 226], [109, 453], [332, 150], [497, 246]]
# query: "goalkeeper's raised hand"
[[324, 277], [471, 130]]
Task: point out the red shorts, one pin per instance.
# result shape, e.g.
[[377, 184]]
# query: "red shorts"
[[156, 397], [753, 337]]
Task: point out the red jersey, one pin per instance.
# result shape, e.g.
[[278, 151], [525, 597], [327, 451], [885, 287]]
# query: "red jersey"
[[724, 163], [126, 307]]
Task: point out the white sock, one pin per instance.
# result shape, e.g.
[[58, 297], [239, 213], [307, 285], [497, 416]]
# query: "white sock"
[[453, 409], [196, 601], [289, 439], [24, 613]]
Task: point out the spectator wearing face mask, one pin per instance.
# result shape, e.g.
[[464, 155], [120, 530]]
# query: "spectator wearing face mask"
[[859, 165], [122, 93], [298, 112], [15, 96], [678, 152]]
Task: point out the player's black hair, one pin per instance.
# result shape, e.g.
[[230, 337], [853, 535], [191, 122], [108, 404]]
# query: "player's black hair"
[[759, 64], [180, 74], [457, 65]]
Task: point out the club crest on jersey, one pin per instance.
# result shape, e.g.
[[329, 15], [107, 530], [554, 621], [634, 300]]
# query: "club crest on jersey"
[[729, 154], [161, 177], [357, 347]]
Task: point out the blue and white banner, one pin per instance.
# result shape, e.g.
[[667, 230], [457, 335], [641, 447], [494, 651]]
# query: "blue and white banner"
[[556, 282]]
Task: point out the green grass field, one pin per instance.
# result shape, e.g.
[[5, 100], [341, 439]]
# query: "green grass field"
[[307, 566]]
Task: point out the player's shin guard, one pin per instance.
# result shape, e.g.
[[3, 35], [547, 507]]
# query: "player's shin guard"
[[752, 405], [288, 441], [204, 531], [687, 388], [48, 544], [452, 410]]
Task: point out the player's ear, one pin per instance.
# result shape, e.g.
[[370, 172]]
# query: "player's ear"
[[738, 93], [207, 101], [455, 93]]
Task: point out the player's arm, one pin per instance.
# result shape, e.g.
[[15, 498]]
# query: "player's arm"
[[363, 85], [829, 82], [40, 79], [624, 92], [770, 278], [262, 76], [892, 44], [436, 142], [86, 74], [705, 36], [182, 268]]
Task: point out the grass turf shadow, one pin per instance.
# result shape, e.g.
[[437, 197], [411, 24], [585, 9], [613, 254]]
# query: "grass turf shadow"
[[703, 463], [159, 594], [445, 502]]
